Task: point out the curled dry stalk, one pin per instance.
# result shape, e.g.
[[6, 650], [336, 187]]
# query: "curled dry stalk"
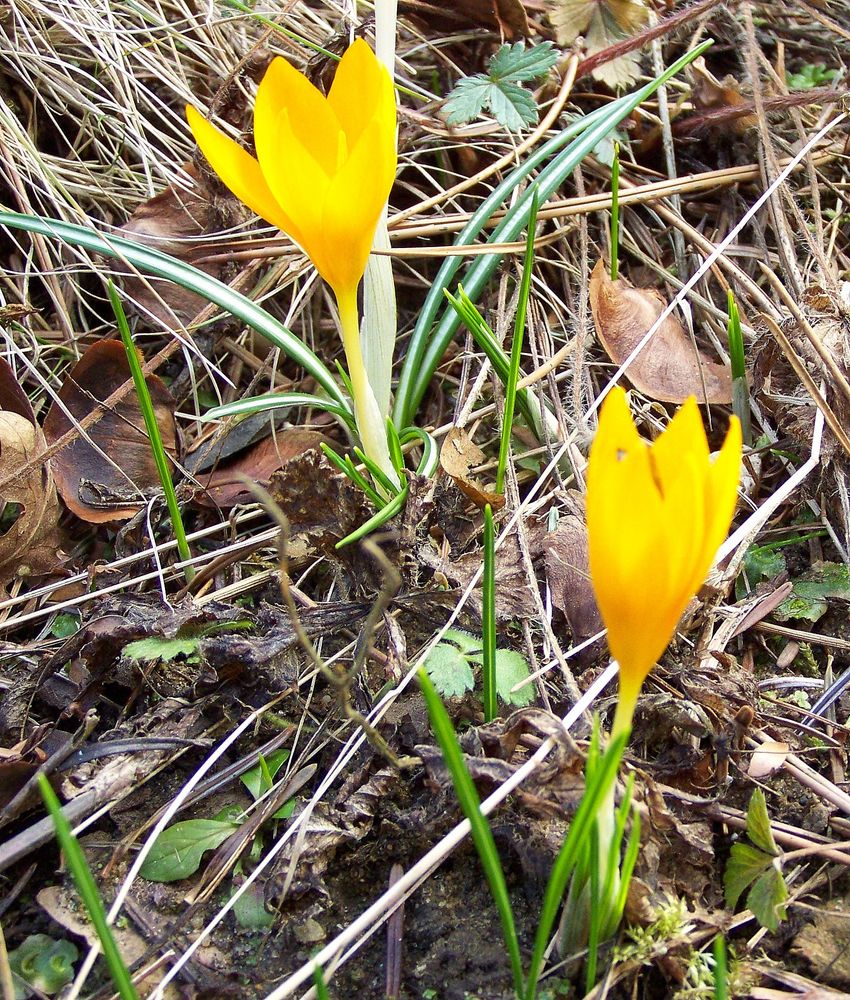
[[341, 680]]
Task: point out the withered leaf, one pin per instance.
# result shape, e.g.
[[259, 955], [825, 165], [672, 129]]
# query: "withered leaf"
[[110, 484], [458, 455], [603, 23], [12, 395], [172, 221], [507, 16], [225, 486], [710, 93], [30, 546], [568, 574], [668, 368]]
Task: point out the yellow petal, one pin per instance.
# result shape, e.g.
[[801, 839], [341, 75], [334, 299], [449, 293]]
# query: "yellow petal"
[[722, 482], [353, 203], [238, 169], [361, 92], [624, 530], [299, 187], [655, 518], [312, 120], [684, 435]]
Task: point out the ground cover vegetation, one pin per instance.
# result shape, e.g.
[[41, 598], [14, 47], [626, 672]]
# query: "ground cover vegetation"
[[371, 377]]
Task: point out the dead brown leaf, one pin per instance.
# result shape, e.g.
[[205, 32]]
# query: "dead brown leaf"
[[669, 368], [458, 454], [12, 395], [709, 93], [172, 221], [507, 16], [568, 573], [225, 485], [110, 484], [603, 23], [30, 546]]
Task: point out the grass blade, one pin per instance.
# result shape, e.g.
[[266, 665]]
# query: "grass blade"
[[516, 348], [596, 788], [482, 836], [488, 618], [615, 213], [740, 388], [721, 971], [89, 894], [160, 457]]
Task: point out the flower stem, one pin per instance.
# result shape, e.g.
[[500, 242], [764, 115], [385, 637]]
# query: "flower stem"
[[371, 423]]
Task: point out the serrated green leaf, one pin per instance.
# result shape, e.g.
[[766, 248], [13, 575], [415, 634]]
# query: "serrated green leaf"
[[766, 897], [745, 865], [511, 668], [758, 824], [467, 100], [499, 91], [253, 779], [467, 643], [158, 648], [177, 851], [516, 62], [511, 106], [449, 671]]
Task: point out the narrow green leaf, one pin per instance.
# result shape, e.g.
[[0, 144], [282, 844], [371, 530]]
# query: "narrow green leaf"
[[160, 458], [87, 888], [516, 349], [488, 618], [430, 338], [482, 836], [161, 265]]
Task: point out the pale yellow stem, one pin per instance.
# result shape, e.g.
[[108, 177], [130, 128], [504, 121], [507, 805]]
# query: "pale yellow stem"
[[367, 415]]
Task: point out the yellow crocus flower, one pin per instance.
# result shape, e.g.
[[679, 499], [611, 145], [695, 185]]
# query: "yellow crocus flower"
[[656, 515], [323, 171]]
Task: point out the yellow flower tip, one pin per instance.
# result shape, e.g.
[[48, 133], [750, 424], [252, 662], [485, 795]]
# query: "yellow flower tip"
[[655, 518], [324, 166]]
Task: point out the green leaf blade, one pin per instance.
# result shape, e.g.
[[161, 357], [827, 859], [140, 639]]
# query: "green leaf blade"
[[449, 671], [767, 898], [746, 863], [177, 851], [512, 669]]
